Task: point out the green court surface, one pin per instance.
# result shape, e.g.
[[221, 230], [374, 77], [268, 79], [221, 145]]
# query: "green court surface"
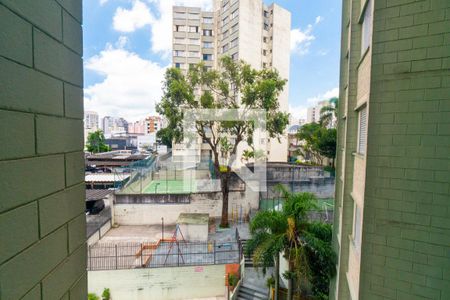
[[170, 187]]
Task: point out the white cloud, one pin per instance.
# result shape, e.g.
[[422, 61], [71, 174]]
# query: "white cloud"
[[128, 20], [298, 112], [159, 19], [131, 87], [318, 19], [103, 2], [301, 40], [325, 96]]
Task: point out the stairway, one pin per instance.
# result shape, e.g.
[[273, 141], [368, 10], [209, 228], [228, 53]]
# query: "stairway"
[[250, 292], [248, 259]]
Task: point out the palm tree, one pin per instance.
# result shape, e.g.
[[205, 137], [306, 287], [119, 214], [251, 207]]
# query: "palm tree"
[[329, 112], [268, 229], [290, 232]]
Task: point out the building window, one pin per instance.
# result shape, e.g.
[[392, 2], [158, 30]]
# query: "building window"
[[225, 48], [225, 34], [179, 15], [180, 28], [194, 54], [264, 52], [366, 35], [224, 21], [264, 65], [207, 20], [234, 43], [234, 14], [207, 57], [235, 56], [357, 227], [207, 45], [266, 26], [178, 65], [207, 32], [193, 28], [264, 39], [178, 53], [266, 14], [234, 28], [362, 130]]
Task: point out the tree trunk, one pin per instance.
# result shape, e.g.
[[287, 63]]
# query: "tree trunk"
[[225, 191], [277, 275], [290, 282]]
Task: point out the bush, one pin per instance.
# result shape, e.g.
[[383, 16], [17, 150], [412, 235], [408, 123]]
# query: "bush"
[[92, 296], [232, 280], [106, 295]]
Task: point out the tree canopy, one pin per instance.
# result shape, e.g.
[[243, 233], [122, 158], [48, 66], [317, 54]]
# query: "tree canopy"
[[96, 142], [234, 85], [165, 135]]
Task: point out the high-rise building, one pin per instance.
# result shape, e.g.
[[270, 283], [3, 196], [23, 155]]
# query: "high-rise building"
[[153, 124], [313, 112], [107, 125], [91, 120], [247, 30], [392, 211]]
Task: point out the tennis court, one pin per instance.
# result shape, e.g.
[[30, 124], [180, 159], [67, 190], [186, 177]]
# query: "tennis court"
[[171, 187]]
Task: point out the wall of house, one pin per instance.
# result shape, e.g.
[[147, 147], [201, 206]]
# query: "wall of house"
[[161, 283], [42, 220], [211, 203]]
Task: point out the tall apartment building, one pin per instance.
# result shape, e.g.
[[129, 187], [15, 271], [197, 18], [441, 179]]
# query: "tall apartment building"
[[247, 30], [153, 124], [91, 120], [313, 112], [392, 211]]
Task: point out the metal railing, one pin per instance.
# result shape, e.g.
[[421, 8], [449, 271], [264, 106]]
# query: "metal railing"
[[110, 256]]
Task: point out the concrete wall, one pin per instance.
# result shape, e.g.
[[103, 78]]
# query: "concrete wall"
[[42, 221], [150, 214], [161, 283]]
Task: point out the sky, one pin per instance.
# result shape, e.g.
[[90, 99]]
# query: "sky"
[[127, 48]]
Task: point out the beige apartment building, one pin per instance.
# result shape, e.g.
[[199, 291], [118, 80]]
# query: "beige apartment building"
[[247, 30], [392, 211]]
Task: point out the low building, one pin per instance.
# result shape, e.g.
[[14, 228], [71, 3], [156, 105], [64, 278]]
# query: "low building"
[[105, 180]]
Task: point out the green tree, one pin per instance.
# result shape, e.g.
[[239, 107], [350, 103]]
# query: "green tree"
[[236, 85], [329, 112], [306, 245], [165, 135], [96, 142], [318, 142]]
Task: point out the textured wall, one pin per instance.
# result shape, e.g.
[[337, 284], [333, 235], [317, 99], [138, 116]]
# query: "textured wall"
[[406, 231], [161, 283], [42, 222]]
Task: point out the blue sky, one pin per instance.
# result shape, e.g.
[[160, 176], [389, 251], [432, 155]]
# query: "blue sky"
[[127, 46]]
